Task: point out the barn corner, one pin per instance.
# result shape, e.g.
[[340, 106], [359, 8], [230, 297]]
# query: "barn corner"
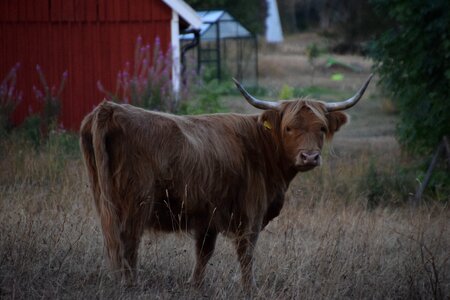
[[90, 39]]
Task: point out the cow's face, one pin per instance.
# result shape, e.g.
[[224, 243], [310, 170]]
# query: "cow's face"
[[302, 127]]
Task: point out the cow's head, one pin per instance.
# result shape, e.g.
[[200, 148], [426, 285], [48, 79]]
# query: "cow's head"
[[302, 125]]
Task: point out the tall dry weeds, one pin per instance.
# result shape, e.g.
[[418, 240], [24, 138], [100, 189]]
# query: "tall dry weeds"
[[326, 243]]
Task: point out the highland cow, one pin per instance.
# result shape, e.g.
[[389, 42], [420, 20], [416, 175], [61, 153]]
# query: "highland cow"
[[206, 174]]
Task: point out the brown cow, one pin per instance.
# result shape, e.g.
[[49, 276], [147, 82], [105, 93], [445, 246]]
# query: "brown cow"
[[207, 174]]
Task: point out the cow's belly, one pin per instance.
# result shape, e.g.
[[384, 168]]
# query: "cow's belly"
[[167, 216], [172, 213]]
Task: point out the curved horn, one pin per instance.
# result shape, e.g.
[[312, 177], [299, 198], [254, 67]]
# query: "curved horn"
[[261, 104], [333, 106]]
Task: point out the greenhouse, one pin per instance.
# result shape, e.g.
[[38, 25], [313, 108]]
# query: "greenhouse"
[[225, 48]]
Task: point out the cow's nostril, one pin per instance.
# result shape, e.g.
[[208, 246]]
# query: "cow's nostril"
[[310, 158], [315, 157], [304, 156]]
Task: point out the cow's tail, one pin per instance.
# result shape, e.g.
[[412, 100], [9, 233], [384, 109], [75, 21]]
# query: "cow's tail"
[[94, 131]]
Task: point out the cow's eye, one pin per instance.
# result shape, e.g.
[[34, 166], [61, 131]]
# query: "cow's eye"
[[288, 128], [323, 129]]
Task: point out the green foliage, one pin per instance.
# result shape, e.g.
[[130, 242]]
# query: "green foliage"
[[438, 187], [209, 73], [60, 143], [317, 92], [206, 99], [250, 13], [333, 62], [30, 130], [9, 98], [374, 186], [256, 90], [37, 126], [312, 52], [147, 82], [40, 162], [354, 23], [286, 92], [63, 143], [337, 77], [50, 97], [383, 187], [413, 60]]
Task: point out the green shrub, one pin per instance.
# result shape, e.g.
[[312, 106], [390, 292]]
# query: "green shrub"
[[63, 143], [438, 187], [210, 73], [286, 92], [256, 90], [146, 82], [413, 60], [57, 141], [382, 186], [316, 92], [312, 52], [30, 130], [50, 97], [9, 98], [206, 99]]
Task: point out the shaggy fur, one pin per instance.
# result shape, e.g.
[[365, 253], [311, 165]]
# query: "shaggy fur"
[[208, 174]]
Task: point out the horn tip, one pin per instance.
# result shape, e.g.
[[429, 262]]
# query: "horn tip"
[[238, 84], [368, 81]]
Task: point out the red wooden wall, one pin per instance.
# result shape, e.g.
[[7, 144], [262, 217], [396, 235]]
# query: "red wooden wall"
[[91, 39]]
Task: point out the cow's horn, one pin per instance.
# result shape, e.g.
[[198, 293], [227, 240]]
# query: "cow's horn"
[[351, 101], [261, 104]]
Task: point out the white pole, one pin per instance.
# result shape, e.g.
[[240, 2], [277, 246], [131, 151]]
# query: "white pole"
[[175, 45], [274, 33]]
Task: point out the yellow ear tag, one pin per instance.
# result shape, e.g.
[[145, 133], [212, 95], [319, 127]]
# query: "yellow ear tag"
[[267, 125]]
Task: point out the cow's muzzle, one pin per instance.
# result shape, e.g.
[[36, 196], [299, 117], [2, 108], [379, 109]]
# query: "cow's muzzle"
[[308, 159]]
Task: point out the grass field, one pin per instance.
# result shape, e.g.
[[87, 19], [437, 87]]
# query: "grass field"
[[345, 232]]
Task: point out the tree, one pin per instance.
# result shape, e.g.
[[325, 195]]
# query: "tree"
[[251, 13], [413, 61]]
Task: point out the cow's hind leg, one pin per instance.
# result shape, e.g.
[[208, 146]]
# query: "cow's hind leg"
[[122, 235], [130, 236], [204, 249], [122, 248], [111, 240], [130, 239], [245, 246]]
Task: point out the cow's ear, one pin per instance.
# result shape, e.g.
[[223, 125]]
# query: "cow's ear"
[[335, 120], [270, 120]]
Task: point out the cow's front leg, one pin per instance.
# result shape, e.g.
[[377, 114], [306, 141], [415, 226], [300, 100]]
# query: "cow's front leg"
[[245, 246], [204, 249]]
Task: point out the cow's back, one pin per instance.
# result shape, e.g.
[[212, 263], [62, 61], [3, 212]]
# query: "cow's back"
[[187, 167]]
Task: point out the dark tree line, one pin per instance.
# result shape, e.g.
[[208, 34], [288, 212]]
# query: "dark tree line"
[[413, 60]]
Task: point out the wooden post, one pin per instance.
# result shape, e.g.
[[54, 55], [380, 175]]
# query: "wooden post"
[[447, 150], [444, 148]]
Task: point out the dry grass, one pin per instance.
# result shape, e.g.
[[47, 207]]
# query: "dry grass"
[[288, 64], [327, 242]]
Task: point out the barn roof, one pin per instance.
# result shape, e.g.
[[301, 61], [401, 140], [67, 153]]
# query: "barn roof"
[[185, 12], [218, 21]]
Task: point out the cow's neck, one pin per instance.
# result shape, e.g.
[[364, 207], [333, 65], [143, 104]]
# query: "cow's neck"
[[279, 167]]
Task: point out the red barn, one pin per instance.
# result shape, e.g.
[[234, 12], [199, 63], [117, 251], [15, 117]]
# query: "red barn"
[[91, 39]]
